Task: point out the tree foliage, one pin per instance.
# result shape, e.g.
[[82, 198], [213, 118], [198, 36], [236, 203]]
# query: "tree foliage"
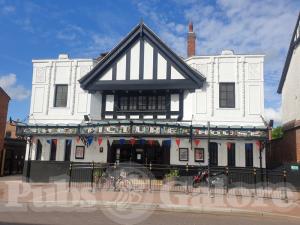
[[277, 133]]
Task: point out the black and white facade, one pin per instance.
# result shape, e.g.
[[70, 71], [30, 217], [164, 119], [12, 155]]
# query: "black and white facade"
[[143, 103]]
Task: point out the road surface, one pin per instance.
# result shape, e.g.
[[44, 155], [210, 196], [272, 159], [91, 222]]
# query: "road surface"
[[110, 216]]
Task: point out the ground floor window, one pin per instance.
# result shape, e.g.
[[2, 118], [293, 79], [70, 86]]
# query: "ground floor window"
[[213, 153], [39, 148], [231, 154], [53, 149], [68, 146], [249, 154], [183, 154]]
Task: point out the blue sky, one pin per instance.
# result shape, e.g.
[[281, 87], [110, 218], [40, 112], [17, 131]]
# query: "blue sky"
[[43, 29]]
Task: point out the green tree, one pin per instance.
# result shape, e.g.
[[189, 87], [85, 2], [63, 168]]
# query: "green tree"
[[277, 133]]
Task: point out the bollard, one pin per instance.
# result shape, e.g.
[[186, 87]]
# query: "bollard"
[[70, 175]]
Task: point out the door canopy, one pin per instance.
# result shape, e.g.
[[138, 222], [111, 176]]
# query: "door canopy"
[[141, 61]]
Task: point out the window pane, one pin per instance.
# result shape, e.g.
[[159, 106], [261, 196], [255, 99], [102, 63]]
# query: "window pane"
[[61, 96], [227, 95]]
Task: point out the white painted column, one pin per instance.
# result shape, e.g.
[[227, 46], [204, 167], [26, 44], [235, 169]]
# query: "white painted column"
[[48, 80]]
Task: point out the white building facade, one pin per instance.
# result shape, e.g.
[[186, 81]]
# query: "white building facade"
[[143, 103]]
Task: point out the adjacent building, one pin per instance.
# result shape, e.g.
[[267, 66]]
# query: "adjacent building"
[[143, 103], [4, 100], [287, 150]]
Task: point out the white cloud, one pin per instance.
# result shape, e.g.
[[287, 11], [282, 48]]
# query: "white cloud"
[[246, 26], [15, 91], [273, 114]]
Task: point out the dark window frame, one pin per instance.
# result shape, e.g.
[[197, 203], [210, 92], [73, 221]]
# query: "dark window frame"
[[61, 95], [231, 156], [68, 150], [53, 150], [39, 150], [213, 153], [142, 103], [249, 155], [226, 97]]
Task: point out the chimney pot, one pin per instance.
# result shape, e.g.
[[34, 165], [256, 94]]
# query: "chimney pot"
[[191, 27], [191, 41]]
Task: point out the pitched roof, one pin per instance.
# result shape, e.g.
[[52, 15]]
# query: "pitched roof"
[[194, 79], [293, 44], [1, 90]]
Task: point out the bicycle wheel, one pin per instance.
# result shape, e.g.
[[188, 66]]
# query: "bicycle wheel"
[[124, 185]]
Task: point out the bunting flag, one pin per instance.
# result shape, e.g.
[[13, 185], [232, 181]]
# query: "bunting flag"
[[150, 142], [228, 145], [142, 141], [258, 144], [100, 140], [68, 142], [83, 140], [177, 141], [89, 140], [197, 142], [167, 143], [122, 141], [132, 141], [49, 142], [77, 139]]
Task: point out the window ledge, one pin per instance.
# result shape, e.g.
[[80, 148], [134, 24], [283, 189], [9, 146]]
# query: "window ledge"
[[227, 108]]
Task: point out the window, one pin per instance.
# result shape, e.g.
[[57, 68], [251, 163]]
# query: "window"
[[53, 149], [152, 103], [227, 95], [213, 153], [133, 103], [199, 154], [183, 154], [161, 102], [249, 154], [68, 146], [61, 95], [231, 154], [39, 148], [123, 103], [142, 103]]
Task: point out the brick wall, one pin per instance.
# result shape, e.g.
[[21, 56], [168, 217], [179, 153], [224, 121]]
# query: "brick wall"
[[4, 99], [285, 149]]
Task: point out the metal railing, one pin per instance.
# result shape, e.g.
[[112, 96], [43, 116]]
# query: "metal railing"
[[252, 182]]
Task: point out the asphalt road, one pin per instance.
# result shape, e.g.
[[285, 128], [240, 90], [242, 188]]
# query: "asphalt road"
[[108, 216]]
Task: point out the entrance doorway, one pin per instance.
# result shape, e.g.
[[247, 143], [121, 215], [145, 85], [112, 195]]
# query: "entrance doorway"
[[138, 153]]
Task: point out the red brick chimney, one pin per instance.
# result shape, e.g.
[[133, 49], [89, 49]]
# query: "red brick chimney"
[[191, 41]]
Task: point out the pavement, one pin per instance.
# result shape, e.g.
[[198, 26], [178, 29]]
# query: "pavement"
[[102, 216], [16, 195]]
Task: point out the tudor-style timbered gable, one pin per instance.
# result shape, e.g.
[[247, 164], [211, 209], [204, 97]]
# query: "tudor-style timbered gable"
[[141, 78]]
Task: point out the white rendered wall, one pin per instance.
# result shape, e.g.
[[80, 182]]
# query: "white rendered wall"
[[246, 71], [47, 74], [291, 90]]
